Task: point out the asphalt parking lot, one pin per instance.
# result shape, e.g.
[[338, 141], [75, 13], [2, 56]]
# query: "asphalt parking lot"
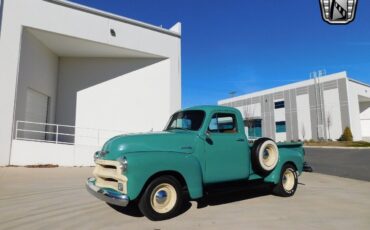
[[350, 163], [56, 198]]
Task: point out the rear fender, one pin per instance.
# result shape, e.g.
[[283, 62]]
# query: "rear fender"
[[292, 155]]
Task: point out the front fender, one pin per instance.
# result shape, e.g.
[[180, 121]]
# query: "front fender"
[[143, 165]]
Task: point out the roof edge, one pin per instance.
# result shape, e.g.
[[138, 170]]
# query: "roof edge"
[[329, 77], [359, 82], [116, 17]]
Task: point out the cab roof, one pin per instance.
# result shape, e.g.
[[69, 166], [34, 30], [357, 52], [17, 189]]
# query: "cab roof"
[[211, 108]]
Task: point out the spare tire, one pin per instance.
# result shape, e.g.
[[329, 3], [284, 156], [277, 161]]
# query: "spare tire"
[[265, 155]]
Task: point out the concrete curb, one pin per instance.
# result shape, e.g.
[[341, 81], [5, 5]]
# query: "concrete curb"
[[334, 147]]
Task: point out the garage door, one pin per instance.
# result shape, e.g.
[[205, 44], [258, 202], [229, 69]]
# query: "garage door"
[[365, 129], [36, 111]]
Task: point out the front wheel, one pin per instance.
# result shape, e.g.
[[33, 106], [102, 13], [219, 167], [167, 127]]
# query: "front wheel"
[[288, 182], [162, 198]]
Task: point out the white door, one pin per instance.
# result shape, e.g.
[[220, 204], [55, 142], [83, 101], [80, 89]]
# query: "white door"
[[36, 111], [365, 129]]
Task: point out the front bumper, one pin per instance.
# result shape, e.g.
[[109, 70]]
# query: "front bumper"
[[107, 195]]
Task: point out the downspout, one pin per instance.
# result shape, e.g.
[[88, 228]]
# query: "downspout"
[[322, 108], [1, 14], [317, 108]]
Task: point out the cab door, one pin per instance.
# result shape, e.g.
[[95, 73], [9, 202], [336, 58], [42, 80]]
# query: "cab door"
[[226, 149]]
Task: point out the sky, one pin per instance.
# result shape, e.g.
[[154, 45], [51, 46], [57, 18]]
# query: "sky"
[[245, 46]]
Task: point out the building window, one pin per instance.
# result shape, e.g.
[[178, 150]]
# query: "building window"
[[254, 127], [279, 104], [112, 32], [280, 127]]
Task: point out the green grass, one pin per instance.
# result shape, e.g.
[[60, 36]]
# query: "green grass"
[[338, 143]]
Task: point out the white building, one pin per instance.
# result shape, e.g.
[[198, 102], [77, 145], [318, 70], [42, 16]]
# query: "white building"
[[318, 108], [93, 73]]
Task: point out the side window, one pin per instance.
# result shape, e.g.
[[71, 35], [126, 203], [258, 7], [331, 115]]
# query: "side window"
[[213, 124], [223, 123]]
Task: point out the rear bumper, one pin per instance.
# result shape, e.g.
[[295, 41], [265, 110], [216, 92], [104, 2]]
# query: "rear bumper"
[[107, 195], [307, 167]]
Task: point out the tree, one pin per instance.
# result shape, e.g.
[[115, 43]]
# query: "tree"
[[248, 113], [329, 122], [303, 132], [347, 135]]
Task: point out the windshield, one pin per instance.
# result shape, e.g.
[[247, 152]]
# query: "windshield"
[[186, 120]]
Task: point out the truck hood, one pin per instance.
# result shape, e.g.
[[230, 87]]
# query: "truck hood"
[[173, 141]]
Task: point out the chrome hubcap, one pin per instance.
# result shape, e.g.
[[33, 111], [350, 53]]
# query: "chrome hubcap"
[[161, 196]]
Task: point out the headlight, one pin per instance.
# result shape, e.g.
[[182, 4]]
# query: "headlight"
[[123, 163], [96, 155], [100, 154]]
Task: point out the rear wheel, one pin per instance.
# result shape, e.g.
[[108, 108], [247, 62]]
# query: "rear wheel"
[[162, 198], [288, 181]]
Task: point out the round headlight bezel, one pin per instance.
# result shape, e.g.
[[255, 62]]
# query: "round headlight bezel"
[[96, 155], [123, 163]]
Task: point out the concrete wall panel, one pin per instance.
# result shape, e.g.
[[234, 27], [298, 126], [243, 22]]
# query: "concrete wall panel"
[[79, 74], [304, 117], [131, 102], [49, 153], [343, 99], [288, 114], [294, 121], [333, 114], [313, 112]]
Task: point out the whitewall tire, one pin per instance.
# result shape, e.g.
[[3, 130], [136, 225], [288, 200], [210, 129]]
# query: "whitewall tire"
[[288, 182], [265, 155], [162, 198]]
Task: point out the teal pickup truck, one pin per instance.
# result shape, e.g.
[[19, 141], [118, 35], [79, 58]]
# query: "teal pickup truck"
[[199, 147]]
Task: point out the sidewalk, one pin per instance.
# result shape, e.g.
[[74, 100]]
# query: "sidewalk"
[[334, 147]]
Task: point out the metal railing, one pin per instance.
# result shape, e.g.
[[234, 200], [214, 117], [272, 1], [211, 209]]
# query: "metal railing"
[[62, 134]]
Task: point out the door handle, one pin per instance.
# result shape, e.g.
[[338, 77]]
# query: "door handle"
[[187, 147], [240, 139]]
